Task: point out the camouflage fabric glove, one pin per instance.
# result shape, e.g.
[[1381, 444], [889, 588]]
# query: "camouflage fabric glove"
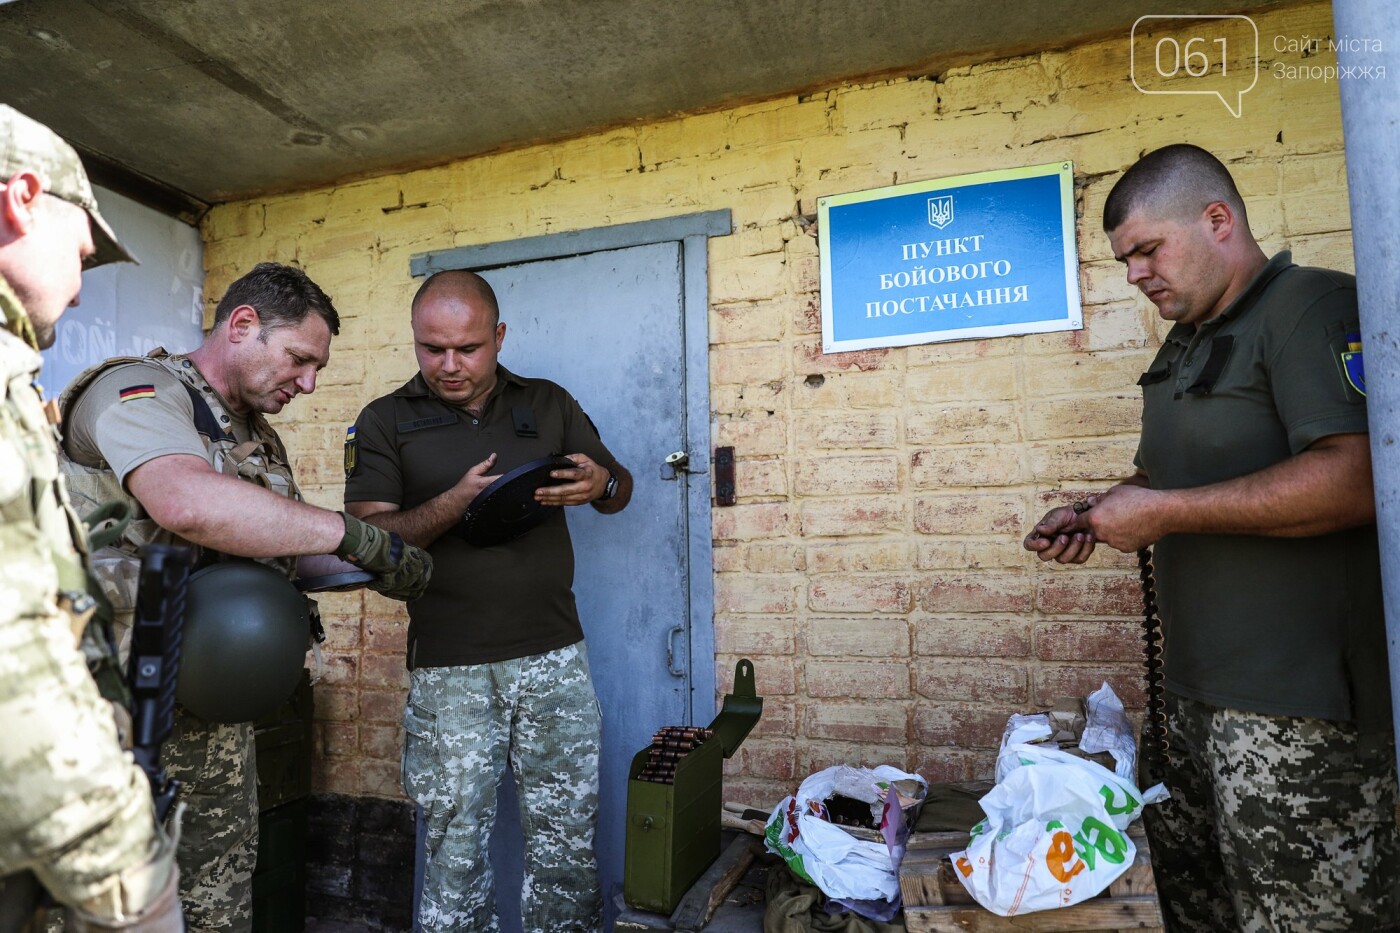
[[403, 569]]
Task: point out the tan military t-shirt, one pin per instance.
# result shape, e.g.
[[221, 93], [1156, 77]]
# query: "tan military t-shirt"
[[133, 414]]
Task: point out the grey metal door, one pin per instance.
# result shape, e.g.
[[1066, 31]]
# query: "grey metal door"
[[609, 327]]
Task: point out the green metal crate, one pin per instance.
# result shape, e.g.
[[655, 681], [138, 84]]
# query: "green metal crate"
[[673, 830]]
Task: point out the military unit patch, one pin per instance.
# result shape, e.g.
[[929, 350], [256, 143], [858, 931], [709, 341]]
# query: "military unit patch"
[[350, 449], [1352, 364], [130, 393]]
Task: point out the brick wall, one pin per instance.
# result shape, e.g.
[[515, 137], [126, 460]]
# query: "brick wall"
[[872, 566]]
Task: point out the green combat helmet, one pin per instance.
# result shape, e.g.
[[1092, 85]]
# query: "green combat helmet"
[[245, 639]]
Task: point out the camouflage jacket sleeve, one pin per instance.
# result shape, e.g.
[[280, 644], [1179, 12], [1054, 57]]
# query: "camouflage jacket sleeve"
[[73, 805]]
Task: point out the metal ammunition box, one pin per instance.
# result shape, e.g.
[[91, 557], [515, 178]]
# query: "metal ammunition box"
[[673, 830]]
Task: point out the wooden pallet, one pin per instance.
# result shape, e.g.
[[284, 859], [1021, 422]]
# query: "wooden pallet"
[[936, 902]]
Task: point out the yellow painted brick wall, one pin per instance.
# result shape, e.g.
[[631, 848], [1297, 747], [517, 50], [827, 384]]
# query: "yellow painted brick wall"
[[872, 567]]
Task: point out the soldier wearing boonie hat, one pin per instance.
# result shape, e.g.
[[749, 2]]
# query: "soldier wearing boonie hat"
[[76, 815]]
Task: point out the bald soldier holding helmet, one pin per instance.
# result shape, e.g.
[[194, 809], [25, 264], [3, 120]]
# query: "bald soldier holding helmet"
[[184, 438], [75, 810]]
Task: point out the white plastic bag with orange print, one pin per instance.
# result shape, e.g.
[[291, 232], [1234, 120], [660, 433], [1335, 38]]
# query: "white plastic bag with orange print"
[[1054, 832]]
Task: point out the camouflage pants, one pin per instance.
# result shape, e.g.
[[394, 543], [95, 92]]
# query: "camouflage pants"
[[1275, 823], [463, 724], [219, 838]]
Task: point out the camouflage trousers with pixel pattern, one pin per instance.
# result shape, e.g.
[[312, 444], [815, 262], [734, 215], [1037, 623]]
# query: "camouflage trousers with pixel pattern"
[[219, 835], [1275, 824], [463, 724]]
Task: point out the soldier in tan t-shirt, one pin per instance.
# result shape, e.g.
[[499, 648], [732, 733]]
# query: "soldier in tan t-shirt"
[[186, 438]]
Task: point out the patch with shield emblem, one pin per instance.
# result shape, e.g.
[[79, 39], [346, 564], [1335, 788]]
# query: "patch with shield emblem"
[[350, 451], [1352, 364]]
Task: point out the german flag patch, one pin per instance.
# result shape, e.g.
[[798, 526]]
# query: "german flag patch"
[[131, 393]]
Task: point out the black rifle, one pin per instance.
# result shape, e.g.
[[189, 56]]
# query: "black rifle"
[[155, 661]]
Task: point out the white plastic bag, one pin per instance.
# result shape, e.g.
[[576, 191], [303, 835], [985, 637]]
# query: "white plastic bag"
[[1107, 730], [1053, 835], [823, 853]]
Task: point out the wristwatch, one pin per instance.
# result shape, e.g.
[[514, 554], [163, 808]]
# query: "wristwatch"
[[610, 489]]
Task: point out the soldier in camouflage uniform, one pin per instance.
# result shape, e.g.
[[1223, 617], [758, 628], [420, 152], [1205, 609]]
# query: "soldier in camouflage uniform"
[[184, 439], [75, 810], [499, 670], [1254, 487]]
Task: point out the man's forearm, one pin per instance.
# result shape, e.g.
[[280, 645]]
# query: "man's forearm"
[[230, 515], [421, 525], [1323, 489]]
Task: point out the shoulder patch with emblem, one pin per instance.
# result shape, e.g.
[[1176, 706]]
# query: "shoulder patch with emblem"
[[350, 450], [1352, 365], [131, 393]]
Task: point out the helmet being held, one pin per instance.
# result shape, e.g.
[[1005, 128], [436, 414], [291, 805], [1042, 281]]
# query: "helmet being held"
[[244, 642]]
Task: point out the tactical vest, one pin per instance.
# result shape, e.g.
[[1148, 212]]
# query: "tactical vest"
[[262, 460]]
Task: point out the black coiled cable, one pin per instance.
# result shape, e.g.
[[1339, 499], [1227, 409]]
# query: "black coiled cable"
[[1155, 732]]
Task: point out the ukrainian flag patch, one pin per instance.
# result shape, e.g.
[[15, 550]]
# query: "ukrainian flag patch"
[[350, 450], [1353, 366], [131, 393]]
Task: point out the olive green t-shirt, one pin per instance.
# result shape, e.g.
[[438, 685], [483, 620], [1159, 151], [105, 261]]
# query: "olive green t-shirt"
[[1280, 626], [484, 604]]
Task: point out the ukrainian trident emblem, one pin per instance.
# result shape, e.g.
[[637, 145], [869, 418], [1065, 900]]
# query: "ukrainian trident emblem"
[[940, 211]]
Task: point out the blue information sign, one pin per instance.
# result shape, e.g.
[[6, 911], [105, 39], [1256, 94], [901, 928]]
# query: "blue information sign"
[[984, 255]]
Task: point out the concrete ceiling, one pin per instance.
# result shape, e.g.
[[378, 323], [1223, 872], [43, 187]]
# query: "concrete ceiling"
[[203, 101]]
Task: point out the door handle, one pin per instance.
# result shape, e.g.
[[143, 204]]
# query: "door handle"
[[677, 463], [671, 654]]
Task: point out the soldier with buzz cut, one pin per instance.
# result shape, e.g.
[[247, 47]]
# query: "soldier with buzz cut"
[[1253, 487], [76, 816]]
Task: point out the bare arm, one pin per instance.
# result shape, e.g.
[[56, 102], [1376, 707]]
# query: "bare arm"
[[1322, 489], [188, 497], [423, 524]]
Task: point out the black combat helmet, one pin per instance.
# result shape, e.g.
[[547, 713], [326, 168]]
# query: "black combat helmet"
[[245, 640]]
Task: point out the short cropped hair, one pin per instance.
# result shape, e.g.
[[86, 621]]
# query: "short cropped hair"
[[1175, 181], [461, 283], [282, 295]]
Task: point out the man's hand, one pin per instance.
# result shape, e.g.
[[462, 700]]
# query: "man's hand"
[[1062, 536], [1125, 517], [403, 569], [475, 480], [587, 480]]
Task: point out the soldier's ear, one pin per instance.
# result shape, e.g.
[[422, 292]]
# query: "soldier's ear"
[[243, 323], [19, 201]]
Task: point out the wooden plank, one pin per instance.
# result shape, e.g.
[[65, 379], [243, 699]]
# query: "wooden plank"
[[927, 877], [941, 840], [730, 820], [1118, 913], [1138, 879], [704, 897], [918, 885]]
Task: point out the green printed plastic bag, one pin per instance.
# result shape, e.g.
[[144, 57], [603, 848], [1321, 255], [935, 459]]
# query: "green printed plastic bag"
[[1054, 833]]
